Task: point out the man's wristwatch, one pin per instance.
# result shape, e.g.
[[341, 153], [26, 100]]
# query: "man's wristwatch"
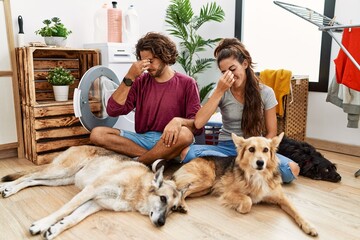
[[128, 82]]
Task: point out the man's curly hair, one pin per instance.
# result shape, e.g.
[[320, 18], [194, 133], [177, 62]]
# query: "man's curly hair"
[[159, 45]]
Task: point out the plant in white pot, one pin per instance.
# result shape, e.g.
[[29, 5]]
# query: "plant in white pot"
[[60, 78], [54, 32]]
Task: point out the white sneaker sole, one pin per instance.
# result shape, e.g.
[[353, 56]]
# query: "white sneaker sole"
[[154, 164]]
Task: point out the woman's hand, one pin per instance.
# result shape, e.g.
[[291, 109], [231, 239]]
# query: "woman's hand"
[[205, 113], [226, 81]]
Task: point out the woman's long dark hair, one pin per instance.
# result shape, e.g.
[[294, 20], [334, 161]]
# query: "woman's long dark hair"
[[252, 123]]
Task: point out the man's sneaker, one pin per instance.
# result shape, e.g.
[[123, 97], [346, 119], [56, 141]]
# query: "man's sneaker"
[[157, 164]]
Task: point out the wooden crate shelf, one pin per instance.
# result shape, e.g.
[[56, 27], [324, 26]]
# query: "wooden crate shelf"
[[49, 126], [34, 64]]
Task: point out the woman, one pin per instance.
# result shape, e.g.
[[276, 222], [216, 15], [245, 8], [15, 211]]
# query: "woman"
[[245, 105]]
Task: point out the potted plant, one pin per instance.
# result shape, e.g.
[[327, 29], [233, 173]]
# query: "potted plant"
[[185, 25], [54, 32], [60, 78]]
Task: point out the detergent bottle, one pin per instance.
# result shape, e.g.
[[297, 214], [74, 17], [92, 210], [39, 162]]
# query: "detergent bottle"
[[108, 24], [101, 24], [132, 27], [114, 23]]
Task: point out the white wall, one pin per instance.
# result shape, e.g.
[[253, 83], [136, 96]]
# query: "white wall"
[[79, 17], [325, 121]]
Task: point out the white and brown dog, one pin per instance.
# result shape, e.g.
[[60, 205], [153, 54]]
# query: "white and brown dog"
[[108, 181], [240, 182]]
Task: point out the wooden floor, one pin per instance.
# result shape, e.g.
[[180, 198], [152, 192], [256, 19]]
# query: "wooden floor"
[[333, 208]]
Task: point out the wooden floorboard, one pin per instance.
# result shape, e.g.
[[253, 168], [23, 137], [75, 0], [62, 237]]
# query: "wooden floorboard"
[[333, 208]]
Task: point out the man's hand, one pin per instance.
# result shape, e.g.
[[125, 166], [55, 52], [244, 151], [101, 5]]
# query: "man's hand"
[[137, 68], [171, 132]]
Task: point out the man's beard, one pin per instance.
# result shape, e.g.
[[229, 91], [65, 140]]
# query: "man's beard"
[[158, 72]]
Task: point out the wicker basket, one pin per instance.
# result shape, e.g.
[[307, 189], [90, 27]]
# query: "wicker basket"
[[293, 123]]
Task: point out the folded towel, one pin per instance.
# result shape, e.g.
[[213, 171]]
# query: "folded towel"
[[279, 81]]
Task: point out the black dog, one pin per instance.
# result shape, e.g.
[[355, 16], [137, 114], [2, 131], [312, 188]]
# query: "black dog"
[[311, 162]]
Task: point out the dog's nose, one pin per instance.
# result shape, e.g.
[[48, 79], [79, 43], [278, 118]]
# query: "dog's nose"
[[161, 221], [338, 178], [260, 163]]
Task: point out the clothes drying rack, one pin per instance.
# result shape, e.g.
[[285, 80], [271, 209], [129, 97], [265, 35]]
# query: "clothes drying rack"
[[324, 23]]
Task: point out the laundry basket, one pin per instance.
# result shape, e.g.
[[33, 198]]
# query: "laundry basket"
[[212, 133], [293, 123], [212, 129]]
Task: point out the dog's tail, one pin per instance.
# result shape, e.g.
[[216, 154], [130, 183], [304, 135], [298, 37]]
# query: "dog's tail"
[[13, 176]]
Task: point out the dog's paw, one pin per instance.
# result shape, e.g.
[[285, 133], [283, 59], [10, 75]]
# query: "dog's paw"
[[38, 227], [52, 232], [7, 191], [2, 188], [182, 209], [34, 229], [308, 229], [244, 206], [3, 185]]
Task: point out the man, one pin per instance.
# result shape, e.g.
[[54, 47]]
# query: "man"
[[166, 103]]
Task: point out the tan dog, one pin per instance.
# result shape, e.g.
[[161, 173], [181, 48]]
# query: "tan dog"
[[240, 182], [108, 181]]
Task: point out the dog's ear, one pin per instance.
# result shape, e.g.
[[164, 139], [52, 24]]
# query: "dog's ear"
[[281, 136], [183, 208], [184, 190], [275, 141], [158, 178], [238, 141], [307, 166]]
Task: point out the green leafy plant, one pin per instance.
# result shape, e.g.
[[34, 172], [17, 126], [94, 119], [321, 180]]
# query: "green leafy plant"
[[184, 25], [53, 28], [60, 76]]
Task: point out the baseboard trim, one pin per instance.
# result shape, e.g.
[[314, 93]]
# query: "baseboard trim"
[[334, 146], [8, 150]]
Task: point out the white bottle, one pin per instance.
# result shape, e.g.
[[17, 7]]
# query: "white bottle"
[[132, 27], [101, 24]]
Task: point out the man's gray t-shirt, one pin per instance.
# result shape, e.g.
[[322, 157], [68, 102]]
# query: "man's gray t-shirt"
[[231, 111]]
